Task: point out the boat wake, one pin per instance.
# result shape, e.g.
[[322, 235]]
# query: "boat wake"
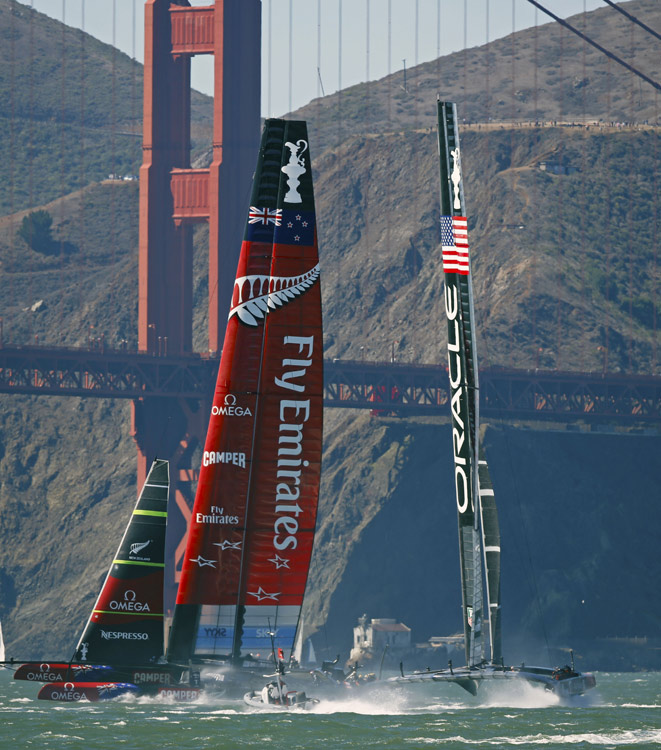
[[371, 705], [519, 696], [646, 737]]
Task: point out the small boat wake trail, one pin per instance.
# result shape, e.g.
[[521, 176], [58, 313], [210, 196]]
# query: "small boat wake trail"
[[372, 705]]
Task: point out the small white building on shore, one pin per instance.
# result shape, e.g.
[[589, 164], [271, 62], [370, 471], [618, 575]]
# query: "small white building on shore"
[[372, 638]]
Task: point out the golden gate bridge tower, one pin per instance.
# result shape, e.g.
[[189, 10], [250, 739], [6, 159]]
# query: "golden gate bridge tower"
[[173, 197]]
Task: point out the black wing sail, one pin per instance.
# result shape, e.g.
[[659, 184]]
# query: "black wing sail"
[[126, 624], [471, 485]]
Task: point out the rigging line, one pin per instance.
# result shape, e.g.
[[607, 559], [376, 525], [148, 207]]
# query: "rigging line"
[[291, 51], [61, 280], [607, 147], [582, 318], [135, 156], [655, 238], [465, 50], [320, 84], [596, 45], [633, 18], [12, 151], [512, 120], [81, 208], [416, 154], [339, 72], [561, 228], [368, 145], [535, 217], [438, 41], [31, 158], [367, 51], [269, 110], [417, 32], [113, 161], [630, 138], [389, 200]]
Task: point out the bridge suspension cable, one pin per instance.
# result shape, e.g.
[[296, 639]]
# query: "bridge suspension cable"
[[632, 18], [596, 45]]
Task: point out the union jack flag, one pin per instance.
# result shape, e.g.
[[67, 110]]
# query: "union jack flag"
[[265, 216], [454, 243]]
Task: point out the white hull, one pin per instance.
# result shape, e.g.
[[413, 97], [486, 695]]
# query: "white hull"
[[293, 701]]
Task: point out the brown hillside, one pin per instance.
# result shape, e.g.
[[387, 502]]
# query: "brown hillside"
[[540, 74]]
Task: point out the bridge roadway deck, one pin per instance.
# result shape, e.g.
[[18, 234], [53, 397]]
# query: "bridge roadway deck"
[[383, 387]]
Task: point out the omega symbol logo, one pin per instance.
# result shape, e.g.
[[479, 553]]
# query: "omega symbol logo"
[[230, 399], [68, 685], [129, 596], [44, 667]]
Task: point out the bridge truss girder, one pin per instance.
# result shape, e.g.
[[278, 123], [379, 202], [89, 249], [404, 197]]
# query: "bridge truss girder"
[[383, 387]]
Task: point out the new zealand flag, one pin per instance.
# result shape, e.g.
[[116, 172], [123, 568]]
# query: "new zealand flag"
[[297, 228], [261, 223]]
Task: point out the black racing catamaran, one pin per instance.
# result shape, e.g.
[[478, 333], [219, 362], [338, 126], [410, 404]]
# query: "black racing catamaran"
[[479, 535], [122, 643]]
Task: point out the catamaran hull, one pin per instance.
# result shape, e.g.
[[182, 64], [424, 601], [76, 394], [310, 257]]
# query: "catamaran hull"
[[91, 673], [63, 672], [470, 679], [75, 692]]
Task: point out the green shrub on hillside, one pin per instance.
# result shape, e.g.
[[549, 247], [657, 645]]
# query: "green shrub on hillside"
[[36, 232]]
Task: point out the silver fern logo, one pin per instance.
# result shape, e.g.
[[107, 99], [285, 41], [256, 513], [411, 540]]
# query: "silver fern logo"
[[259, 294], [138, 547]]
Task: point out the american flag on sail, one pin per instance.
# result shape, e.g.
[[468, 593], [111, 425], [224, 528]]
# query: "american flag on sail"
[[454, 243], [265, 216]]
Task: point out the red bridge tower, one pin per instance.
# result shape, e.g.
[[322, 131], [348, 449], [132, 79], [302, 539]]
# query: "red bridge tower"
[[173, 197]]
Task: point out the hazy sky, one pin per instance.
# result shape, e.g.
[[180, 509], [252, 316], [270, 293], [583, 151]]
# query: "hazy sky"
[[419, 31]]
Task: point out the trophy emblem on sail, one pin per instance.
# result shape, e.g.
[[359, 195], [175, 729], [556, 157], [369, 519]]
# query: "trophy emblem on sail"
[[456, 176], [294, 168]]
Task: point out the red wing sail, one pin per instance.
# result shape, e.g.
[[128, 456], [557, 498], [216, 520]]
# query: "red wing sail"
[[251, 532], [126, 624]]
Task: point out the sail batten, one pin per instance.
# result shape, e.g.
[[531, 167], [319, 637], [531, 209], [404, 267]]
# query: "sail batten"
[[491, 543]]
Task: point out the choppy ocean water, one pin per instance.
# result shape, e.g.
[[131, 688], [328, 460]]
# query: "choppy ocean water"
[[623, 712]]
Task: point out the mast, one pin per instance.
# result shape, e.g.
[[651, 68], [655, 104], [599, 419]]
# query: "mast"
[[253, 521], [475, 555]]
